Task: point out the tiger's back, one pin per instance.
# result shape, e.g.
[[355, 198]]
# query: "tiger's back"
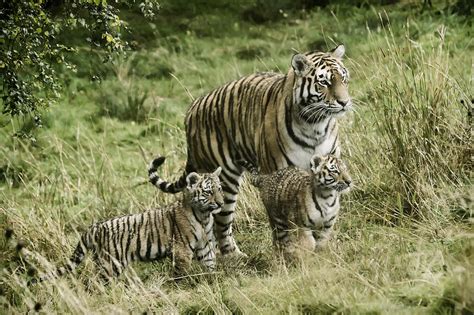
[[118, 242]]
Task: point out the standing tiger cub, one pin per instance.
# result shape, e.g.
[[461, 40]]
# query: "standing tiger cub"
[[271, 120], [303, 205], [182, 230]]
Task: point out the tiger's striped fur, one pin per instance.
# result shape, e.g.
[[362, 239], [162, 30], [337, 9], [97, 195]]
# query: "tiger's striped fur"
[[303, 205], [183, 230], [270, 120]]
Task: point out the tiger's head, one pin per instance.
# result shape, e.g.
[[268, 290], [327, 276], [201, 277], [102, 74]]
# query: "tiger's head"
[[331, 173], [321, 85], [204, 192]]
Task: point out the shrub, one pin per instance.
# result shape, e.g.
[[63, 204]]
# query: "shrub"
[[124, 101]]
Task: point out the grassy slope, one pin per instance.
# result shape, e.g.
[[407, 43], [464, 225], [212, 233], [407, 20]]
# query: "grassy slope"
[[85, 166]]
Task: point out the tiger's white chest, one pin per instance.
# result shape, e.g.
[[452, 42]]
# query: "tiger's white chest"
[[327, 211], [301, 158], [322, 138]]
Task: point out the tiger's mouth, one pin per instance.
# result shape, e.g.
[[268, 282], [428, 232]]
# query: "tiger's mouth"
[[315, 112]]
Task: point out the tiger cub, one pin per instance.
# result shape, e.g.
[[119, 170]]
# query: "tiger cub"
[[302, 205], [182, 230]]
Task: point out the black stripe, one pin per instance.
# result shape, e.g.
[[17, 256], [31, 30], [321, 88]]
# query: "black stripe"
[[291, 133], [125, 233], [162, 231], [115, 235], [200, 257], [333, 147], [148, 235], [229, 189], [315, 200], [106, 243], [309, 88], [229, 201], [326, 128], [228, 179], [209, 128], [225, 213], [139, 239], [131, 230], [334, 202]]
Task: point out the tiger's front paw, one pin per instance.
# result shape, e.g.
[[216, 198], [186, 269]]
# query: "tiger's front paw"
[[236, 254], [229, 249]]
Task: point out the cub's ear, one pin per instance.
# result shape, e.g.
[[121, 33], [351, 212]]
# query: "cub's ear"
[[315, 163], [300, 64], [192, 179], [217, 172], [338, 52]]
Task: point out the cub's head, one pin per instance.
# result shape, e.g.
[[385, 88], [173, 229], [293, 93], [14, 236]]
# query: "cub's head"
[[321, 85], [204, 191], [330, 172]]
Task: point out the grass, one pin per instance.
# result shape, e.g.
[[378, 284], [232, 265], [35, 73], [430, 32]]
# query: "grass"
[[407, 144]]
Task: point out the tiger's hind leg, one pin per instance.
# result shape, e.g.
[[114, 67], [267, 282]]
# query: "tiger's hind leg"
[[108, 266], [224, 219]]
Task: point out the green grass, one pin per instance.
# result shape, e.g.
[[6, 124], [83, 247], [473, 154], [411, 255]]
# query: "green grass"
[[407, 144]]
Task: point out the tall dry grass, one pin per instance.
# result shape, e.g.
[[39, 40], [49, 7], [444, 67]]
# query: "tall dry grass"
[[420, 129]]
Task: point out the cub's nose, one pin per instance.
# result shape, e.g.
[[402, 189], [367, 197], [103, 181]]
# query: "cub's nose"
[[348, 182]]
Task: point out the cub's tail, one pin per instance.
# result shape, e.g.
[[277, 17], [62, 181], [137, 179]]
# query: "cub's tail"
[[255, 178], [70, 266], [163, 185], [31, 257]]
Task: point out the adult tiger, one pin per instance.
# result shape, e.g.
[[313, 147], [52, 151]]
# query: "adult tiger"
[[270, 120]]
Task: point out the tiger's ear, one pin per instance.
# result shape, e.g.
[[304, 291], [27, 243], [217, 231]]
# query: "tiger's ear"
[[338, 52], [300, 64], [192, 179], [217, 172], [315, 163]]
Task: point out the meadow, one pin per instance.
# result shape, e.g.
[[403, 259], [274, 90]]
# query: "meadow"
[[404, 243]]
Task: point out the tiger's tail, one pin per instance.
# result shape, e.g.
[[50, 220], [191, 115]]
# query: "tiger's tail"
[[255, 178], [163, 185]]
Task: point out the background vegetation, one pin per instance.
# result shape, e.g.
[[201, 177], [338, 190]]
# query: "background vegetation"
[[404, 241]]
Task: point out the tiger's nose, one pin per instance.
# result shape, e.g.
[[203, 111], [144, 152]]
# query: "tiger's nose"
[[348, 182], [343, 103]]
